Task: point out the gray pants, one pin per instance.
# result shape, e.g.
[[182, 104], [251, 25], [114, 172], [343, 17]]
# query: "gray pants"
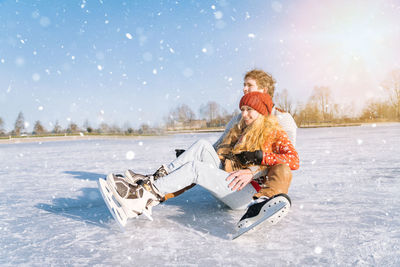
[[200, 165]]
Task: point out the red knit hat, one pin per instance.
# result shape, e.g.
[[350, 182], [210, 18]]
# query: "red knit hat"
[[261, 102]]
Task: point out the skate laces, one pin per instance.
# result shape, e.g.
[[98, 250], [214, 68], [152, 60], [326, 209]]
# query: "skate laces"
[[161, 172], [127, 190]]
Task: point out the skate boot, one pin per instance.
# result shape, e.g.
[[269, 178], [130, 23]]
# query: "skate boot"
[[135, 199], [161, 172], [262, 209], [133, 177]]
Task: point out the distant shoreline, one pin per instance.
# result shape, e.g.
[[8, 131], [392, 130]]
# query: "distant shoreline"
[[328, 125], [39, 139], [35, 139], [322, 125]]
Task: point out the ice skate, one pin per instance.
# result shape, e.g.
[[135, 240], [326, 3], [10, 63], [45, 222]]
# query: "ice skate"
[[132, 176], [135, 199], [115, 208], [264, 209]]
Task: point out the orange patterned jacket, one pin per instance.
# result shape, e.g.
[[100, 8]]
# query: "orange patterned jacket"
[[280, 151]]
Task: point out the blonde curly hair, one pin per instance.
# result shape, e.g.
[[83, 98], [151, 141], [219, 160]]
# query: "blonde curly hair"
[[256, 135]]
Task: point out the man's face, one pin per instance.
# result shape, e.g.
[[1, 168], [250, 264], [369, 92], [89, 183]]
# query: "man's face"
[[250, 85]]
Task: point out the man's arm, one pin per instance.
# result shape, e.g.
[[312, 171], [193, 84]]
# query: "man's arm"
[[231, 123], [288, 124]]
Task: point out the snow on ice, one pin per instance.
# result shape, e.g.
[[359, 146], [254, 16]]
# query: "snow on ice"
[[346, 206]]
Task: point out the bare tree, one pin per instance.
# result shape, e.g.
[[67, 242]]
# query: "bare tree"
[[127, 128], [86, 126], [2, 131], [72, 128], [19, 125], [213, 113], [308, 113], [144, 129], [104, 128], [181, 114], [321, 96], [378, 111], [283, 101], [392, 87], [184, 113], [38, 128], [57, 128]]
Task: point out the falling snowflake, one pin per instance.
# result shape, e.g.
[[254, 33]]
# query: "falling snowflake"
[[276, 6], [218, 15], [251, 35], [45, 21], [35, 77], [19, 61], [130, 155], [318, 250], [129, 36]]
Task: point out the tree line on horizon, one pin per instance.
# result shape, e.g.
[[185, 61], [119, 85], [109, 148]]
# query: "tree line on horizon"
[[319, 108]]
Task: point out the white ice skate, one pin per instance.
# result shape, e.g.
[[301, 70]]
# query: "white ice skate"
[[135, 199], [269, 210], [132, 176], [115, 208]]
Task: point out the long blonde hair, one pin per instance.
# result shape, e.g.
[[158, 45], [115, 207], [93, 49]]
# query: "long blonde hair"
[[254, 136]]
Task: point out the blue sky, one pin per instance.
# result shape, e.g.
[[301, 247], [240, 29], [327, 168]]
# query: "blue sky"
[[132, 61]]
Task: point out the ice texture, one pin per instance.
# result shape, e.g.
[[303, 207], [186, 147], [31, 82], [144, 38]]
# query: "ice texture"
[[346, 206]]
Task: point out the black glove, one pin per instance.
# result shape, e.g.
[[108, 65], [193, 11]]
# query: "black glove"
[[247, 157], [179, 152]]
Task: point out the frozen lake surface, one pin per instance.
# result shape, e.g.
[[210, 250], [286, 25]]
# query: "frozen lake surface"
[[346, 206]]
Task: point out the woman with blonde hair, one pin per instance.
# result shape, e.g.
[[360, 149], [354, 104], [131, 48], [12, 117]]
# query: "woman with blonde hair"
[[257, 142]]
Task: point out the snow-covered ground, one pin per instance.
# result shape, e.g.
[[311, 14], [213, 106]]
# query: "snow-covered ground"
[[346, 206]]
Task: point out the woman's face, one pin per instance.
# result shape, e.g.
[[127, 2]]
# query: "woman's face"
[[249, 115]]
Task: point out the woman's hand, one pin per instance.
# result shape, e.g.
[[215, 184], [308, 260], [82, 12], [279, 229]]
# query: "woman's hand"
[[239, 179], [250, 157]]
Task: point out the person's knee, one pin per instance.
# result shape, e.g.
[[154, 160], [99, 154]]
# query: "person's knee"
[[278, 181], [283, 171], [203, 143]]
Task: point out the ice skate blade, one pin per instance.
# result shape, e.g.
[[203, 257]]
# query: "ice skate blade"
[[268, 216], [148, 215], [113, 206]]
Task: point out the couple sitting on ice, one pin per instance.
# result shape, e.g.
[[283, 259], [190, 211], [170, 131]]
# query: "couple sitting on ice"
[[249, 166]]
